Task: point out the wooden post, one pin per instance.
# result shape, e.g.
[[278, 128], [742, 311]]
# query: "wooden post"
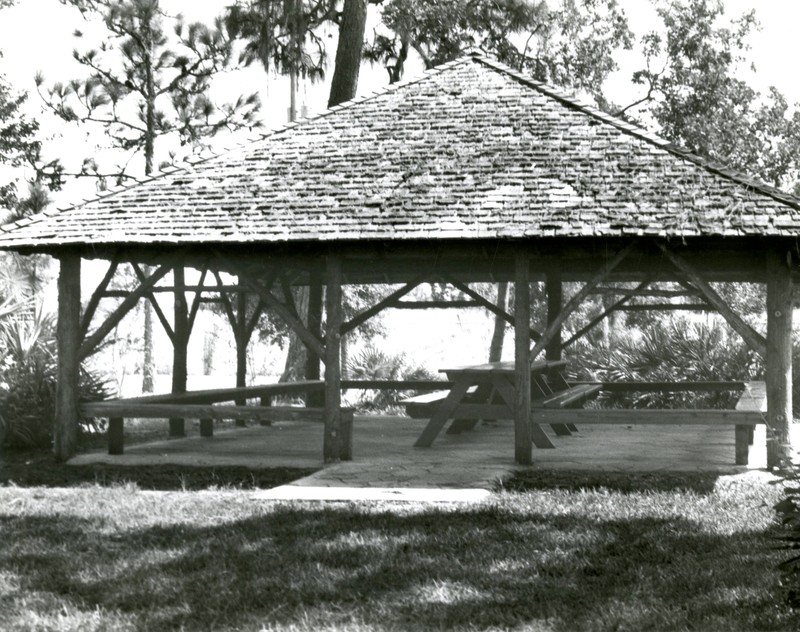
[[314, 399], [241, 339], [180, 344], [68, 337], [206, 427], [522, 372], [331, 449], [779, 357]]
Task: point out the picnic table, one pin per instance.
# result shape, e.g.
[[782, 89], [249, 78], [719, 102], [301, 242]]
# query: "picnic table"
[[488, 391]]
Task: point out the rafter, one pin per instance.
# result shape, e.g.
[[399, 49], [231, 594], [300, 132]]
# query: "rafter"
[[578, 298], [89, 345], [752, 338], [308, 338]]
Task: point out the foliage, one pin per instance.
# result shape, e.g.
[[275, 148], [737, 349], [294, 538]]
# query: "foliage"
[[372, 363], [788, 511], [143, 85], [278, 35], [667, 350], [28, 373], [570, 46], [695, 94], [19, 147]]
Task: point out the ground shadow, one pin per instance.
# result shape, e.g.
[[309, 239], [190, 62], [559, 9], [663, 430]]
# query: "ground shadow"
[[479, 568]]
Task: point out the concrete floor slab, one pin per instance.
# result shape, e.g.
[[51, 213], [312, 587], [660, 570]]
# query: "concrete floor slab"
[[386, 465]]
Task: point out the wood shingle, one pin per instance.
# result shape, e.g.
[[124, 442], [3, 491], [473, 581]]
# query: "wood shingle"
[[471, 150]]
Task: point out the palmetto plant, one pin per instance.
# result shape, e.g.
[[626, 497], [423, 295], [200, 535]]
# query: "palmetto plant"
[[672, 350], [372, 363], [28, 378]]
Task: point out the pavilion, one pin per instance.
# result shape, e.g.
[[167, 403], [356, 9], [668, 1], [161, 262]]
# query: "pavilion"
[[473, 172]]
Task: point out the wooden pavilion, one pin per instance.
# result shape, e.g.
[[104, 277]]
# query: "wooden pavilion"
[[472, 172]]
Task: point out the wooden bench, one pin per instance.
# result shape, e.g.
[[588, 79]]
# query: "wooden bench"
[[117, 410], [201, 405], [264, 392], [750, 411]]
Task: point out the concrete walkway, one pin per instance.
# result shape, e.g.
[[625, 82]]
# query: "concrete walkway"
[[462, 467]]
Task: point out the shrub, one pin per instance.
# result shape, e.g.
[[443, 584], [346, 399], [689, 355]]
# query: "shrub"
[[668, 351], [28, 383], [372, 363]]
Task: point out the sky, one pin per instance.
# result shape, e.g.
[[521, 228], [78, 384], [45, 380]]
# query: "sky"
[[36, 35]]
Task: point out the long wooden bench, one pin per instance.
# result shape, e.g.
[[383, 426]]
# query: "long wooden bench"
[[749, 412], [219, 395], [203, 405], [117, 410]]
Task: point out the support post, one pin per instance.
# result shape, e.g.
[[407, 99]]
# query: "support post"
[[779, 357], [116, 435], [522, 371], [314, 399], [180, 346], [68, 337], [331, 450]]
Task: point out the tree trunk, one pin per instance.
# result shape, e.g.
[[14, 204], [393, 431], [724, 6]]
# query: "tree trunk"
[[348, 52], [148, 365], [295, 367], [499, 333]]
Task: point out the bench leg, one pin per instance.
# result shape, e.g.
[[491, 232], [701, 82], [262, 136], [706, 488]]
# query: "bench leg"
[[561, 430], [266, 401], [346, 435], [115, 435], [177, 428], [572, 427], [206, 427], [743, 434]]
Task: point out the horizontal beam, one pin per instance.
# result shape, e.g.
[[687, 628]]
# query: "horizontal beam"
[[649, 416], [645, 292], [433, 304], [211, 396], [665, 387], [171, 288], [397, 385], [667, 307], [198, 411]]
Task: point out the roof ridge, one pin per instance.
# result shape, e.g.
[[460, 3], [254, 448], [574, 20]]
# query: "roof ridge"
[[714, 166]]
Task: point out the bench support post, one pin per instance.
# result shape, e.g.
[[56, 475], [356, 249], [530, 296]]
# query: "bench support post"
[[523, 450], [742, 435], [779, 356], [115, 435], [207, 427]]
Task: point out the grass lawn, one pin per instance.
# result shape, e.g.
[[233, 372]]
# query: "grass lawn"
[[565, 551]]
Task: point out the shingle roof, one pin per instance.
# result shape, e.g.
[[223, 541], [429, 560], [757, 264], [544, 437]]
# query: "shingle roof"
[[470, 150]]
